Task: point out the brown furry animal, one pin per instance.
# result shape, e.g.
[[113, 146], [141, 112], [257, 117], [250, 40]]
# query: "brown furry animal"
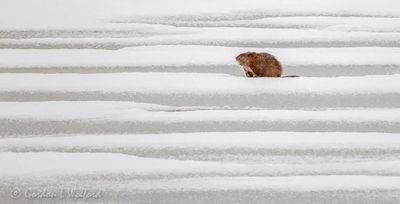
[[259, 64]]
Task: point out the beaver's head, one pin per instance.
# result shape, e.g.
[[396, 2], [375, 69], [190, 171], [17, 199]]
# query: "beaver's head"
[[244, 59]]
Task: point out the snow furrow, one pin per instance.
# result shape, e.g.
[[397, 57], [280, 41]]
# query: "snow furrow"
[[247, 147], [235, 70], [82, 164], [178, 56], [128, 117], [195, 89], [143, 102], [196, 83], [320, 22], [228, 37]]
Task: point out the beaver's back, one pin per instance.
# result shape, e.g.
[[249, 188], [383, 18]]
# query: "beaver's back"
[[266, 65]]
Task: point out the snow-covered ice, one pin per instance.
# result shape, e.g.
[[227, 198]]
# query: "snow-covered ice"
[[143, 101]]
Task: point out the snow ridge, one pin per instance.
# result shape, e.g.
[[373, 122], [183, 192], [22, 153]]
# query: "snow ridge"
[[145, 103]]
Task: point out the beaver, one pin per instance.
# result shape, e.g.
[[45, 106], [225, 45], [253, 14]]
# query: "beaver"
[[259, 64]]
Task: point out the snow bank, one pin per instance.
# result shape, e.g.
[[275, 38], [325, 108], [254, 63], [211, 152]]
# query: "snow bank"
[[104, 164], [292, 184], [56, 14], [175, 83], [148, 56], [211, 141], [125, 111], [294, 21], [230, 37], [112, 117]]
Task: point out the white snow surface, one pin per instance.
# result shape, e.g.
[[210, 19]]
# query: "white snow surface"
[[192, 83], [127, 111], [143, 101], [173, 55]]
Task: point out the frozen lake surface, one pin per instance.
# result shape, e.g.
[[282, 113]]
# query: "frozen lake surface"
[[124, 101]]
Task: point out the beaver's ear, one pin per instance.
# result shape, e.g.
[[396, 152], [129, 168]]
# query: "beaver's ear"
[[238, 57], [251, 54]]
